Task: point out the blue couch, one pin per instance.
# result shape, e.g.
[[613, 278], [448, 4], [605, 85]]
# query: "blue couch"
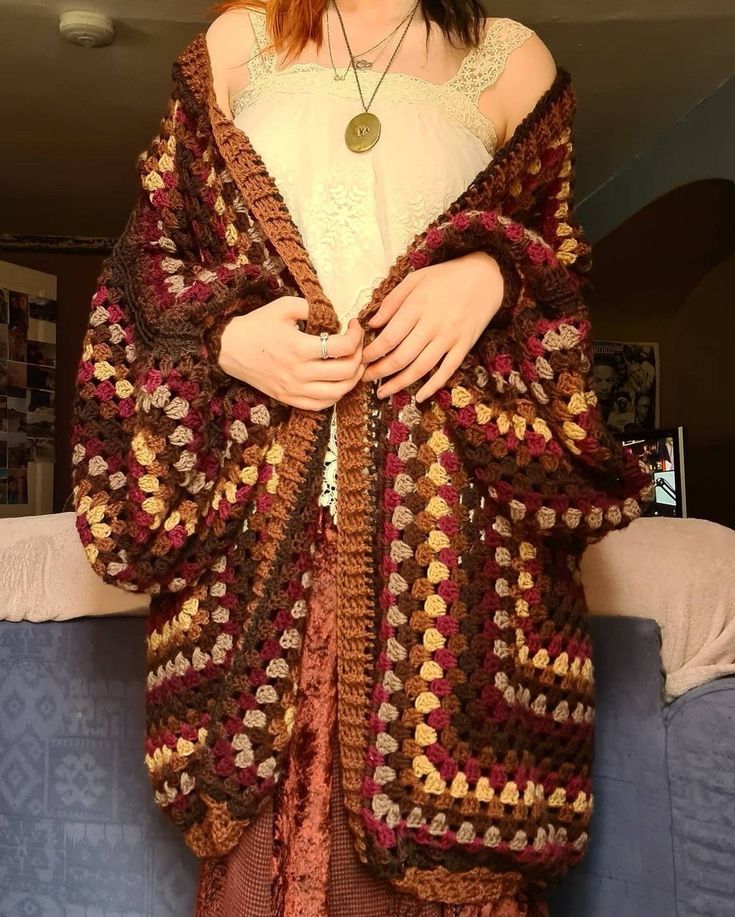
[[81, 836]]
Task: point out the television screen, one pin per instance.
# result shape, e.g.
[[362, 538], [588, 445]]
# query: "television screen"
[[663, 452]]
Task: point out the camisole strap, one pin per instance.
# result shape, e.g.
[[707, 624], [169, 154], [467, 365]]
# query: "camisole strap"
[[263, 63], [458, 97], [480, 68], [483, 65]]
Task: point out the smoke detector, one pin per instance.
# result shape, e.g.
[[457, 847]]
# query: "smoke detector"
[[91, 30]]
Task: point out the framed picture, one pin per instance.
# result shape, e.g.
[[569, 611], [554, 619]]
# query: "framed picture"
[[625, 377], [28, 316]]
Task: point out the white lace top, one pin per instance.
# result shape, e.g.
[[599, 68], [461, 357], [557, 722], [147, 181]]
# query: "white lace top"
[[357, 212]]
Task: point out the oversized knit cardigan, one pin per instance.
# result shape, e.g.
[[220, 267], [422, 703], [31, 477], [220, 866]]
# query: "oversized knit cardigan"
[[465, 671]]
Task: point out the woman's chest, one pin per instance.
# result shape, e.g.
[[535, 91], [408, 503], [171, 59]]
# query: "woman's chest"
[[358, 211]]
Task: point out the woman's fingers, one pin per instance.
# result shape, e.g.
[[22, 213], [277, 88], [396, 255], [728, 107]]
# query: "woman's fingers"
[[398, 328], [323, 394], [341, 344], [424, 361], [337, 370], [333, 369], [409, 346], [393, 300], [293, 308], [448, 365]]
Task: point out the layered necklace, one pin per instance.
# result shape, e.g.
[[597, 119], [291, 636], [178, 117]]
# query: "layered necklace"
[[363, 130], [360, 61]]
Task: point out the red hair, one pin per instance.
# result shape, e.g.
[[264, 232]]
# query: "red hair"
[[290, 23], [293, 23]]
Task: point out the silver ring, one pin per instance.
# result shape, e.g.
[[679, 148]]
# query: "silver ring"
[[323, 338]]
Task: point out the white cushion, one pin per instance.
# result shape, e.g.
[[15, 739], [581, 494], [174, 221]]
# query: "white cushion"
[[46, 575], [681, 572]]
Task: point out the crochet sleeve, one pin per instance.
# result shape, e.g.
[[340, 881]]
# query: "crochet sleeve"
[[159, 430], [522, 405]]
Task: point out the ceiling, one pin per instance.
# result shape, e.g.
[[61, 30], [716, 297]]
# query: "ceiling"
[[74, 119]]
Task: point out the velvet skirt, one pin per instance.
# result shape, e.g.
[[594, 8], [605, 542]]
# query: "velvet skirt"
[[296, 858]]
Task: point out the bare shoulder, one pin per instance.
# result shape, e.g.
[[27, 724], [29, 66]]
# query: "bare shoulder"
[[230, 41], [230, 36], [528, 71]]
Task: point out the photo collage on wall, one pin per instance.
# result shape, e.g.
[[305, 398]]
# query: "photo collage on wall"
[[27, 389], [625, 378]]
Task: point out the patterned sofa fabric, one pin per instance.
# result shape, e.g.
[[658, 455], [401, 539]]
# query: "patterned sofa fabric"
[[80, 835]]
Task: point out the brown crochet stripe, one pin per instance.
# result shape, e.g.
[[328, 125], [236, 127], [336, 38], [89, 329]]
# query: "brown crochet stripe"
[[256, 184], [475, 886], [357, 508]]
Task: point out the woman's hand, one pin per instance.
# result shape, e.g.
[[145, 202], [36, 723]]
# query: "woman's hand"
[[267, 349], [434, 312]]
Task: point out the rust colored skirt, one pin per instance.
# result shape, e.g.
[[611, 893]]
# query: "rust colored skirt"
[[296, 859]]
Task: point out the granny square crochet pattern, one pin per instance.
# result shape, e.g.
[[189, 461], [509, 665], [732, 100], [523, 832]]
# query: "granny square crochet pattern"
[[466, 685]]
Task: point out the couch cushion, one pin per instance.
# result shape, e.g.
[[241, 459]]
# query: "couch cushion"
[[47, 577], [701, 751], [628, 868], [681, 573], [82, 835]]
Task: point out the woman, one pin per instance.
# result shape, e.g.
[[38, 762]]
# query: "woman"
[[418, 670], [457, 84]]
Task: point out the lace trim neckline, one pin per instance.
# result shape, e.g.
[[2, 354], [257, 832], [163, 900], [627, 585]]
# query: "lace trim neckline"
[[308, 66], [453, 104], [268, 64], [301, 66]]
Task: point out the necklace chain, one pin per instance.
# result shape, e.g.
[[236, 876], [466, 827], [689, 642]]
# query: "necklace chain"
[[366, 51], [352, 59], [363, 130], [259, 52]]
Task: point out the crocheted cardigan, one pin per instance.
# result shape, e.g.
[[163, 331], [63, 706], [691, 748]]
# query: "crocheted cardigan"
[[466, 703]]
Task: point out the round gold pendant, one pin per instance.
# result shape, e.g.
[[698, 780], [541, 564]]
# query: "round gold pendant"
[[362, 132]]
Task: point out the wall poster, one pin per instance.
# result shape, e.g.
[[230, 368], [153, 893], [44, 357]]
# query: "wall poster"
[[626, 380], [27, 390]]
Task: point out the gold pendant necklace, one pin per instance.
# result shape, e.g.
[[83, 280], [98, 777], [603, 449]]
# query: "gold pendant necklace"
[[363, 130]]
